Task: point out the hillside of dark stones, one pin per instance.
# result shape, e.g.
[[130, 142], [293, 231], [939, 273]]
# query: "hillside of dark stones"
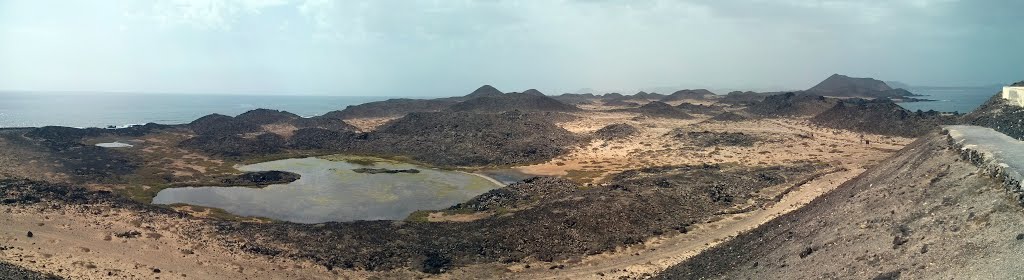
[[471, 139], [390, 108], [742, 98], [791, 104], [648, 95], [880, 117], [576, 98], [688, 94], [266, 116], [217, 124], [657, 109], [699, 109], [526, 102], [997, 114], [539, 222]]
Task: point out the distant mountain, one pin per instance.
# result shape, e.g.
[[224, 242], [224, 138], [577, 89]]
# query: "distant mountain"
[[659, 109], [391, 108], [845, 86], [485, 90], [895, 84]]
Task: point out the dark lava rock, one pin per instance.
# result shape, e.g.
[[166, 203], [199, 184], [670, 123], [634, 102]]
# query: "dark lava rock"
[[688, 94], [791, 104], [235, 146], [880, 116], [526, 102], [29, 234], [711, 138], [615, 131], [729, 117], [390, 108], [384, 171], [471, 139], [575, 98], [217, 124], [323, 139], [261, 178], [11, 271], [266, 116], [658, 109]]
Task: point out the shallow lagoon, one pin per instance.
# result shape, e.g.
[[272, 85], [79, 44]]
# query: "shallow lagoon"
[[330, 191]]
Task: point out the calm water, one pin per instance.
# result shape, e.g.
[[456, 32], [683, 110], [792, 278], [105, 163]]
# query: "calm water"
[[331, 191], [119, 109], [963, 100]]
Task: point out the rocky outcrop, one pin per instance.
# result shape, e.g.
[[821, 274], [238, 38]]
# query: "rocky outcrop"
[[324, 139], [880, 117], [324, 123], [744, 98], [699, 109], [648, 95], [260, 178], [710, 138]]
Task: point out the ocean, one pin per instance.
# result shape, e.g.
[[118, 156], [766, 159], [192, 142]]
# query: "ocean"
[[962, 100], [30, 109]]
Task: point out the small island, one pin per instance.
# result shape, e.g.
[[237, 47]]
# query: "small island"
[[385, 170]]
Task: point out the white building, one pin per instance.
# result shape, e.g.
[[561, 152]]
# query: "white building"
[[1015, 95]]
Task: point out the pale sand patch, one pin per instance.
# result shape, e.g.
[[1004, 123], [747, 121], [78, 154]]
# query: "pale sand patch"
[[369, 124], [283, 129]]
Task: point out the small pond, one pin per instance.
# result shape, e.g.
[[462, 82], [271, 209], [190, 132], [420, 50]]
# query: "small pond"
[[329, 190]]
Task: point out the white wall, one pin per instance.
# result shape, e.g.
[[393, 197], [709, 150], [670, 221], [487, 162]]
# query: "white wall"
[[1015, 95]]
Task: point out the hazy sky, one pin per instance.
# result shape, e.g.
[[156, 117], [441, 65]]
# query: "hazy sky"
[[409, 47]]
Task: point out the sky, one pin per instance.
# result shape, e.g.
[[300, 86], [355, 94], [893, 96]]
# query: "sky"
[[439, 48]]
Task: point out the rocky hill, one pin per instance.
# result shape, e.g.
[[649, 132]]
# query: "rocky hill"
[[390, 108], [688, 94], [468, 139], [743, 98], [923, 214], [266, 116], [527, 101], [648, 95], [217, 124], [880, 117], [791, 104], [616, 131], [482, 91], [844, 86]]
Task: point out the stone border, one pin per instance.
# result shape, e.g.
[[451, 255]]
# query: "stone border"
[[1010, 179]]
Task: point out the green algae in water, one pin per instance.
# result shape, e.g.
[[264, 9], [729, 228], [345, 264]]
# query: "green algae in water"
[[330, 191]]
